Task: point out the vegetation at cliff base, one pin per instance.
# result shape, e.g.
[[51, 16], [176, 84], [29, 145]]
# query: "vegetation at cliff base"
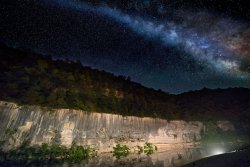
[[75, 153], [123, 150], [149, 148]]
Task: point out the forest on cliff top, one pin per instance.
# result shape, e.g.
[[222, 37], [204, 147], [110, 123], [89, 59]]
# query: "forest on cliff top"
[[29, 78]]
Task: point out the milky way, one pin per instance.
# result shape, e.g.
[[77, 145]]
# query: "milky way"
[[200, 34], [187, 50]]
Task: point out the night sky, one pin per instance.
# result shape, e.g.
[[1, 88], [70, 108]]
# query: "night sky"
[[175, 49]]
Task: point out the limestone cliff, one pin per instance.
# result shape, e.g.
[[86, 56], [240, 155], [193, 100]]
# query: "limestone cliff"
[[99, 130]]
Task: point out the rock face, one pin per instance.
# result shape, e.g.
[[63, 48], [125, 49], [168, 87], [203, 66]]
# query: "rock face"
[[19, 124]]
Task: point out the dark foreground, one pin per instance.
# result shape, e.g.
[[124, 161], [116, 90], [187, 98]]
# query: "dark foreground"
[[233, 159]]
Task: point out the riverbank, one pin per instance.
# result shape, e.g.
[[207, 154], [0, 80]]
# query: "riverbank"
[[232, 159]]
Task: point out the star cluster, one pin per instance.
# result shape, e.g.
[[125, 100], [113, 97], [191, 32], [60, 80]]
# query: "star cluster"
[[189, 50]]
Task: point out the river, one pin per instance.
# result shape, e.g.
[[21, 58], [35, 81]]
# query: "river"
[[173, 158]]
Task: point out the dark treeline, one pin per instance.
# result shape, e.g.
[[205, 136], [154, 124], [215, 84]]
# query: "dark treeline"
[[29, 78]]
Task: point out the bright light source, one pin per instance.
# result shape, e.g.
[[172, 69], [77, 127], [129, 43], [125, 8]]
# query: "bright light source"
[[217, 151]]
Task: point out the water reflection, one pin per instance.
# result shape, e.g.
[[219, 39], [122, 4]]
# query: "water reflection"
[[158, 159], [172, 158]]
